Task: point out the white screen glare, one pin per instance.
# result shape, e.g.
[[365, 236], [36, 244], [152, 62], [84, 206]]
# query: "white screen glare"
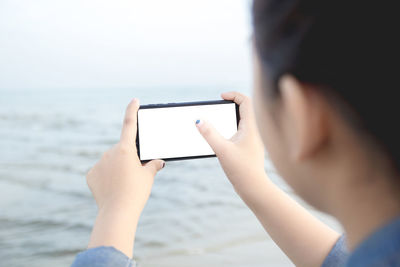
[[170, 132]]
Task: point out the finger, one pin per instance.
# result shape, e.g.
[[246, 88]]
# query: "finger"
[[216, 141], [245, 106], [236, 97], [129, 127], [244, 102], [155, 165]]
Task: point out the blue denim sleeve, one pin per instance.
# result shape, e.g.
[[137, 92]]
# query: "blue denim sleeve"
[[103, 257], [338, 255]]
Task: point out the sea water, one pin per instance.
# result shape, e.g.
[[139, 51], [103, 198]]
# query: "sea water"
[[49, 139]]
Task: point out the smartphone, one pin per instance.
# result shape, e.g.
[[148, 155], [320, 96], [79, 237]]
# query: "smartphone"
[[169, 132]]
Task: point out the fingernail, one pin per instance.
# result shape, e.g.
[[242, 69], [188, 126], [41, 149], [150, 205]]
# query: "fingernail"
[[198, 122], [163, 165]]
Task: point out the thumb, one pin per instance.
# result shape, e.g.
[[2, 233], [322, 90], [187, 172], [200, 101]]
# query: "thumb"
[[210, 134], [155, 165]]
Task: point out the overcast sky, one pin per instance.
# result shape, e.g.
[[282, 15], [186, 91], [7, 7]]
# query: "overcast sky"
[[123, 43]]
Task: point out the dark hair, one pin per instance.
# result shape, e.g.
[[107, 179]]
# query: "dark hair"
[[345, 47]]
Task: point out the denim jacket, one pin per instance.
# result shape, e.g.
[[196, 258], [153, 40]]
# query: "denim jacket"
[[103, 257], [382, 248]]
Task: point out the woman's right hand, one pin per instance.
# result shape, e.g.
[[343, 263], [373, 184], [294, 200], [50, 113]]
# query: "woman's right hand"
[[241, 156]]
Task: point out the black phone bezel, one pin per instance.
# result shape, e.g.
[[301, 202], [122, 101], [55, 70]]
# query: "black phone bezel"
[[184, 104]]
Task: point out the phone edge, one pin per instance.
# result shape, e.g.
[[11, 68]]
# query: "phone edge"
[[183, 104]]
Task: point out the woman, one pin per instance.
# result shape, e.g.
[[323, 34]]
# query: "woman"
[[324, 103]]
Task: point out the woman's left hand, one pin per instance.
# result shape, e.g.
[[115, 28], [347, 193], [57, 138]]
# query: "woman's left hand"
[[121, 186], [119, 177]]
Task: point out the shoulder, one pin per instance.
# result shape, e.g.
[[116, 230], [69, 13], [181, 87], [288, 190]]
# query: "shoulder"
[[338, 255], [102, 257]]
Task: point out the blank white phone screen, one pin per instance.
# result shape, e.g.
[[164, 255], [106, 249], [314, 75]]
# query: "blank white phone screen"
[[171, 132]]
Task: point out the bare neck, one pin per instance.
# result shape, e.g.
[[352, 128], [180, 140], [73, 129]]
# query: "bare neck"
[[361, 217], [365, 199]]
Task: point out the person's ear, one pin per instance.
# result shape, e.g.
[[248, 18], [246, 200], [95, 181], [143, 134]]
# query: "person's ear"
[[305, 121]]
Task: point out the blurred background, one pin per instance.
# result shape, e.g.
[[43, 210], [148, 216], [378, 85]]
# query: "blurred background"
[[67, 71]]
